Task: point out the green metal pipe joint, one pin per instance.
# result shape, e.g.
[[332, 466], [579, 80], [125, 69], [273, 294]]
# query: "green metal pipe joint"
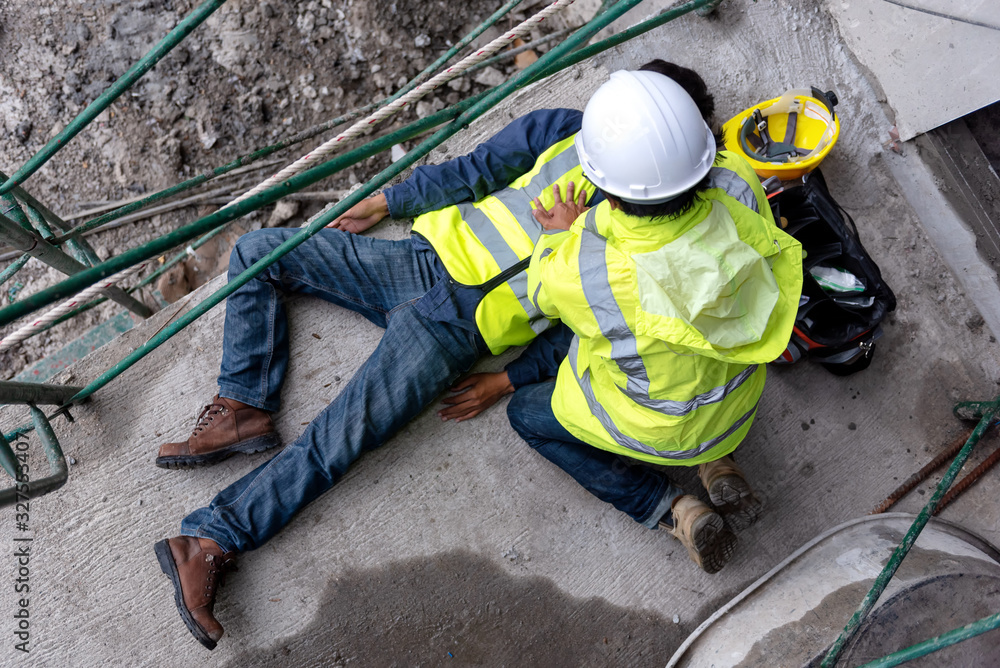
[[24, 488]]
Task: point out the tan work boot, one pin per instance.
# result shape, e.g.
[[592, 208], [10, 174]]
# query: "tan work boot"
[[708, 540], [730, 492], [196, 567], [223, 429]]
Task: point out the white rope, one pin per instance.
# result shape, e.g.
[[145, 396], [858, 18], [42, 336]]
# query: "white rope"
[[362, 126], [83, 297]]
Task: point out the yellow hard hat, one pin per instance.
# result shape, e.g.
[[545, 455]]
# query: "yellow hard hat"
[[804, 120]]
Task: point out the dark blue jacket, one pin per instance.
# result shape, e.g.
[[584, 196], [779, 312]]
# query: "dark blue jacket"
[[492, 166]]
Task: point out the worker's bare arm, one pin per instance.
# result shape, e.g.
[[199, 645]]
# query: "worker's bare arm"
[[474, 394], [362, 215]]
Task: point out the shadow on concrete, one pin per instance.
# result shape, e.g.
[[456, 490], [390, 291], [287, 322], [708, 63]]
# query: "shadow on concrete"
[[459, 609]]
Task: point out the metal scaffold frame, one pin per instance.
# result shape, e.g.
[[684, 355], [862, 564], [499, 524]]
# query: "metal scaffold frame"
[[33, 229]]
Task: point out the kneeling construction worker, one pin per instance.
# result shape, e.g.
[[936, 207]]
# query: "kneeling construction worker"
[[679, 288]]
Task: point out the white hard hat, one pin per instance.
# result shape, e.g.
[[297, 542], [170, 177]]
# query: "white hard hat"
[[643, 138]]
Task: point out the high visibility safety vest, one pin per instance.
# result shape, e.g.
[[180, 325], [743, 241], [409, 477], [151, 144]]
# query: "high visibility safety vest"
[[674, 319], [487, 244]]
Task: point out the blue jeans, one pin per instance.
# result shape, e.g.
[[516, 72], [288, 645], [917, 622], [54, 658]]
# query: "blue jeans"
[[640, 492], [416, 360]]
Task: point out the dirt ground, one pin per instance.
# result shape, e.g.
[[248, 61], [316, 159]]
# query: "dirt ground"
[[254, 73]]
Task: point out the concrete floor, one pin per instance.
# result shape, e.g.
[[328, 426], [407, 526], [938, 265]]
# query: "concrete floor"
[[459, 545]]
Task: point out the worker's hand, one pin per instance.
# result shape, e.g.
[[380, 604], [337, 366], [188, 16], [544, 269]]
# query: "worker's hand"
[[563, 213], [475, 394], [362, 215]]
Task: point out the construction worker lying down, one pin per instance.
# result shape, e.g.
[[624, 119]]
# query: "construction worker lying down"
[[679, 288]]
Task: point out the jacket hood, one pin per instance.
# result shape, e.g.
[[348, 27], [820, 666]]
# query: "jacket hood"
[[713, 292]]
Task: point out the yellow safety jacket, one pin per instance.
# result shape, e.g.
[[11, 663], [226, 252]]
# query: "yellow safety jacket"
[[674, 319], [488, 244]]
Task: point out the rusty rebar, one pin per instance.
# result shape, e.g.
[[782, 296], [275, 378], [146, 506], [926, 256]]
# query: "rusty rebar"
[[967, 481], [922, 474]]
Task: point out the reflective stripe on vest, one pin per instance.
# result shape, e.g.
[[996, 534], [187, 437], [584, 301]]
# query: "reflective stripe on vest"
[[734, 185], [489, 236], [624, 347], [477, 242], [627, 441]]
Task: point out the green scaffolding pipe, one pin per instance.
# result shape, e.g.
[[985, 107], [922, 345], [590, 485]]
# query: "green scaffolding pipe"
[[285, 143], [184, 234], [12, 210], [80, 249], [38, 222], [53, 451], [989, 412], [30, 201], [58, 471], [13, 268], [937, 643], [13, 392], [29, 241], [143, 65], [32, 243], [25, 428], [495, 96], [80, 281], [7, 459], [400, 135]]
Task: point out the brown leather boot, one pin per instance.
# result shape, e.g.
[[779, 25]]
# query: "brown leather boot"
[[708, 540], [222, 430], [730, 492], [196, 567]]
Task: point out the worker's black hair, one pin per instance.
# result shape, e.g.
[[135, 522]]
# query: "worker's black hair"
[[673, 207], [690, 81]]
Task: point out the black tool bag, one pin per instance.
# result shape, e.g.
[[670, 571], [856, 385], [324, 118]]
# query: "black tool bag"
[[837, 328]]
